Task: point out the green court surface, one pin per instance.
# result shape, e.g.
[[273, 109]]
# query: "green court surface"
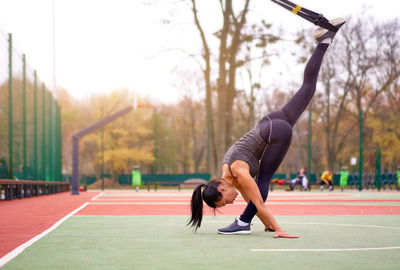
[[164, 242]]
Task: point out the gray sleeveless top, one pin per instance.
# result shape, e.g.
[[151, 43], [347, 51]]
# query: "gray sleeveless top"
[[249, 149]]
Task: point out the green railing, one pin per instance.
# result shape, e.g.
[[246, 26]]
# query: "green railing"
[[30, 120], [126, 179]]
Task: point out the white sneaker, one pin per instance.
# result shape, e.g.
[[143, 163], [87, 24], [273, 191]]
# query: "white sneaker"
[[321, 33]]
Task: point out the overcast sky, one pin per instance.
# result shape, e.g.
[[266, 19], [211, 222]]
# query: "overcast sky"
[[103, 45]]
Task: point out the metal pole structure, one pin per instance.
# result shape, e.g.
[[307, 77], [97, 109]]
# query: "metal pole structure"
[[43, 169], [59, 145], [360, 168], [309, 143], [155, 141], [60, 141], [102, 151], [75, 144], [208, 141], [10, 109], [24, 150], [50, 138], [35, 157], [102, 158], [75, 165], [378, 168]]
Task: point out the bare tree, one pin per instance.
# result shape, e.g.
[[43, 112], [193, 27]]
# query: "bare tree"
[[361, 65], [232, 36]]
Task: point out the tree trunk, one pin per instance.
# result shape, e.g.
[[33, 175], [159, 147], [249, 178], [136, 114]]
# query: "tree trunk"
[[212, 155]]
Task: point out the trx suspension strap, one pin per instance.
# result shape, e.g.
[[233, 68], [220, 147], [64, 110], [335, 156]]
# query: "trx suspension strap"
[[311, 16]]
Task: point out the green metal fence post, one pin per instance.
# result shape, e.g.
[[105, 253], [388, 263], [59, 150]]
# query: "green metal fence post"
[[24, 149], [43, 169], [360, 168], [49, 175], [102, 157], [59, 143], [56, 156], [208, 141], [55, 143], [155, 141], [102, 150], [35, 137], [53, 138], [378, 168], [10, 108], [309, 143]]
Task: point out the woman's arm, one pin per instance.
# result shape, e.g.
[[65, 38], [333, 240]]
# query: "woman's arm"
[[251, 191], [246, 198]]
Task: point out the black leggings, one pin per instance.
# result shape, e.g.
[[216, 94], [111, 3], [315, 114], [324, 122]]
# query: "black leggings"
[[276, 128]]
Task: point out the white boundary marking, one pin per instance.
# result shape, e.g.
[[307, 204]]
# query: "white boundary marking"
[[319, 250], [14, 253], [326, 249], [98, 195], [316, 223], [331, 249], [342, 224]]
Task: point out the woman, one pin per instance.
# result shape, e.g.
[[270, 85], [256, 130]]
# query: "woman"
[[259, 154]]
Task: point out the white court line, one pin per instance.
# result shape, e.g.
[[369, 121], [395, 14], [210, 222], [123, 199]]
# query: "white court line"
[[138, 203], [326, 249], [98, 195], [14, 253], [316, 223], [342, 224], [332, 249], [319, 249]]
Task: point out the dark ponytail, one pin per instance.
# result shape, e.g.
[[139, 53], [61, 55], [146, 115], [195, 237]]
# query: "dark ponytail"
[[210, 195]]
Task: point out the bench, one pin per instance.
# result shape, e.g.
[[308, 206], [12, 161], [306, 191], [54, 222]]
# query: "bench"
[[194, 182], [27, 188], [161, 183]]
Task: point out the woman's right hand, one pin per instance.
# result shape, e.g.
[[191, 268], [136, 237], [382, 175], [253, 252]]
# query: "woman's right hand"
[[282, 234]]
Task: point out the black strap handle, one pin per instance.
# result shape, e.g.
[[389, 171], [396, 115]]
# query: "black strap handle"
[[309, 15]]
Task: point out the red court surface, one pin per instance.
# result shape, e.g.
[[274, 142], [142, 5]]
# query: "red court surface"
[[23, 219], [186, 200], [276, 209], [187, 196]]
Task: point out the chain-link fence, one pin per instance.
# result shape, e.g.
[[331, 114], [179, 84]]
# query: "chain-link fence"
[[30, 121]]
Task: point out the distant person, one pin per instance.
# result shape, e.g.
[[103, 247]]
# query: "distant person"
[[301, 179], [259, 153], [20, 173], [136, 177], [326, 179], [4, 173], [344, 176]]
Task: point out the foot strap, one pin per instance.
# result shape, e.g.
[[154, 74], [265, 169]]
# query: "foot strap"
[[311, 16]]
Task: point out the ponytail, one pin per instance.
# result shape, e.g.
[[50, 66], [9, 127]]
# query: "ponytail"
[[210, 195], [197, 207]]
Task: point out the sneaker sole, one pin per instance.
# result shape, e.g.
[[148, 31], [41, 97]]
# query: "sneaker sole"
[[322, 31], [238, 232]]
